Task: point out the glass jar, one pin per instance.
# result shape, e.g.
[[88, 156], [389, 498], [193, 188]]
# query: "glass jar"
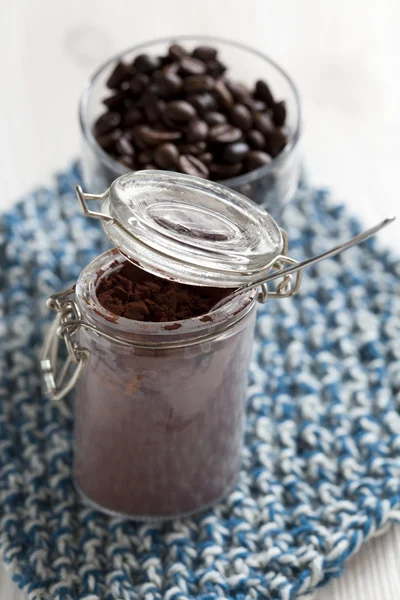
[[159, 426], [160, 407], [270, 186]]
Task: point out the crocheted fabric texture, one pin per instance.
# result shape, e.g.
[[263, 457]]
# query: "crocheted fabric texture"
[[321, 466]]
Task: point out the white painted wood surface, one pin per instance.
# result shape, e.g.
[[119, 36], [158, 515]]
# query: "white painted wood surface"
[[345, 57]]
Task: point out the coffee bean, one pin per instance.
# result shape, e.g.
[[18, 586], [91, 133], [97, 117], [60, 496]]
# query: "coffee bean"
[[166, 156], [205, 53], [206, 158], [146, 63], [124, 147], [179, 110], [107, 140], [150, 167], [145, 156], [197, 131], [262, 92], [122, 72], [198, 83], [176, 51], [193, 149], [107, 122], [153, 107], [239, 92], [192, 166], [256, 159], [127, 161], [256, 139], [132, 117], [192, 66], [258, 106], [275, 141], [202, 102], [214, 118], [279, 113], [215, 68], [241, 116], [116, 100], [171, 68], [168, 84], [224, 134], [138, 83], [145, 136], [262, 122], [236, 152], [224, 171], [223, 95]]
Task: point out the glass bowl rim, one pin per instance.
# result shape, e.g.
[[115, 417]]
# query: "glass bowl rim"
[[245, 178]]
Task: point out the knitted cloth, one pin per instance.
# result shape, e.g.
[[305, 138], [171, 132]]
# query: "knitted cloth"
[[321, 466]]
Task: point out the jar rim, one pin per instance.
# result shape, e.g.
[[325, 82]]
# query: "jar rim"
[[231, 182], [112, 260]]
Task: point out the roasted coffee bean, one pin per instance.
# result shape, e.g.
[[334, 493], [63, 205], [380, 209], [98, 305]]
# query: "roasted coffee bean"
[[116, 100], [107, 122], [146, 63], [144, 136], [262, 122], [168, 84], [171, 68], [215, 68], [107, 140], [256, 159], [224, 134], [275, 141], [138, 83], [124, 147], [256, 139], [193, 149], [192, 66], [180, 111], [223, 95], [258, 106], [202, 102], [132, 117], [279, 113], [239, 92], [214, 118], [225, 171], [205, 53], [153, 108], [241, 116], [176, 51], [122, 72], [236, 152], [197, 131], [150, 167], [206, 158], [198, 83], [262, 92], [166, 156], [127, 161], [192, 166], [145, 157]]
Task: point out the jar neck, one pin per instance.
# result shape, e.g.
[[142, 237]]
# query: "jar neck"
[[95, 314]]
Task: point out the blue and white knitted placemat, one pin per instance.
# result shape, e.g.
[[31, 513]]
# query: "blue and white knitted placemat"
[[321, 467]]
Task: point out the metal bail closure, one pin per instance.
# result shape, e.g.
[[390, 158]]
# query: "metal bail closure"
[[65, 326]]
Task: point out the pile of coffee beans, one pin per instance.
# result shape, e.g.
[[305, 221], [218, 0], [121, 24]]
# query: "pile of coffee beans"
[[181, 112]]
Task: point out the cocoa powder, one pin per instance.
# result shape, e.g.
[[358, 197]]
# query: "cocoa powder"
[[135, 294]]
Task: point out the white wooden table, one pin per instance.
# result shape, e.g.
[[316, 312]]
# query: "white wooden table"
[[345, 57]]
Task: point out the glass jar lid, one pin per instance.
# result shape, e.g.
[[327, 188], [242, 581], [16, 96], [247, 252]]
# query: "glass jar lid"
[[188, 229]]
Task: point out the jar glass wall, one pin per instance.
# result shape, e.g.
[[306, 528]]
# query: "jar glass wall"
[[159, 425]]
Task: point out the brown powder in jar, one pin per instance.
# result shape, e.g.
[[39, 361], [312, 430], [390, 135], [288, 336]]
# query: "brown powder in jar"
[[135, 294]]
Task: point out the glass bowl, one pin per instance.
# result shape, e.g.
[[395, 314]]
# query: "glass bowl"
[[270, 186]]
